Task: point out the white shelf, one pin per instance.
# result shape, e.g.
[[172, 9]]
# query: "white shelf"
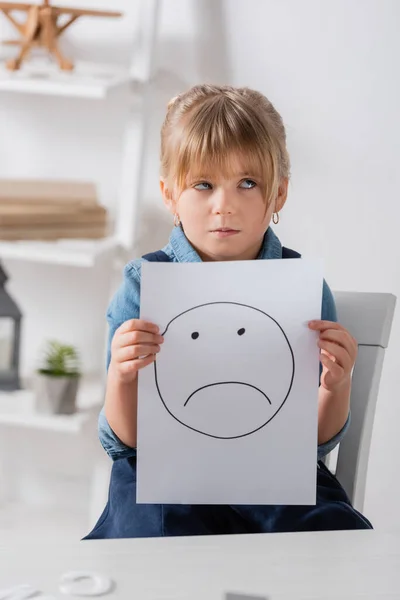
[[78, 253], [60, 423], [17, 409], [87, 80]]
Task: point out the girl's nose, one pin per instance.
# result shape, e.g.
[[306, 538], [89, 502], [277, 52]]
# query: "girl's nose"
[[222, 204]]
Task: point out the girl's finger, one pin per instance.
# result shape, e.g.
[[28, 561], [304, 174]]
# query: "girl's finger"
[[138, 337], [135, 352], [322, 325], [335, 370], [138, 325], [328, 355], [340, 337], [341, 355], [130, 366]]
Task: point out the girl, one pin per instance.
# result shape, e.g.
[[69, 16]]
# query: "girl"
[[224, 176]]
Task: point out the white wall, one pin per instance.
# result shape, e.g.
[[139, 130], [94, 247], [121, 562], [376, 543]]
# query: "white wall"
[[331, 69]]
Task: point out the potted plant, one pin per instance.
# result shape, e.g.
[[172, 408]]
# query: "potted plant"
[[57, 379]]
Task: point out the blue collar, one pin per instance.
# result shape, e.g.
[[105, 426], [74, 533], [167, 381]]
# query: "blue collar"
[[184, 251]]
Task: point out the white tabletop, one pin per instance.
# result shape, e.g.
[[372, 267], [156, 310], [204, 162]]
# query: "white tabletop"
[[362, 565]]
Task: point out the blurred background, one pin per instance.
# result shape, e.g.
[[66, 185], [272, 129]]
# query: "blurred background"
[[89, 138]]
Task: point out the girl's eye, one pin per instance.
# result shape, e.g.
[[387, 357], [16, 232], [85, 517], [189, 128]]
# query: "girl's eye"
[[203, 186], [247, 184]]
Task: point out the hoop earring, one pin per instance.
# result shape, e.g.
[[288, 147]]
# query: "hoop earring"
[[275, 218], [177, 220]]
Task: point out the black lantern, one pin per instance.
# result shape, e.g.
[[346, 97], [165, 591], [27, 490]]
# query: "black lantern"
[[10, 336]]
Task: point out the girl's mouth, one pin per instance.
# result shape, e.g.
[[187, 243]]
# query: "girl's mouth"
[[222, 232]]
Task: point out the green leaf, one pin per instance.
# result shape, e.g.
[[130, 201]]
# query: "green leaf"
[[60, 360]]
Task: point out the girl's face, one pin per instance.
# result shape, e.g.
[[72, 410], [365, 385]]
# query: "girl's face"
[[224, 218]]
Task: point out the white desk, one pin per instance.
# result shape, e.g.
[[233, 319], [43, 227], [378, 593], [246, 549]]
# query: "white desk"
[[361, 565]]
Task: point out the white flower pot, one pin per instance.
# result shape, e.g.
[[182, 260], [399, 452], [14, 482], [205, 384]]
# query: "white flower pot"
[[56, 395]]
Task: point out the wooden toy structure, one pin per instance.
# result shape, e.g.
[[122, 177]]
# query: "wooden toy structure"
[[42, 29]]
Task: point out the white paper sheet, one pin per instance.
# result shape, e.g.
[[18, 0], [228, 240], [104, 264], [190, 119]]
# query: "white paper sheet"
[[228, 412]]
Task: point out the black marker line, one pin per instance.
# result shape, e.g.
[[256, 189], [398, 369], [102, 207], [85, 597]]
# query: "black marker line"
[[227, 383], [220, 437]]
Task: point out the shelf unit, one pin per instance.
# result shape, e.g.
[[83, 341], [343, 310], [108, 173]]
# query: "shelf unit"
[[96, 82], [75, 253], [88, 80]]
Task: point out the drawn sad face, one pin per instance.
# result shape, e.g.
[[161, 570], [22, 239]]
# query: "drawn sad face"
[[224, 370]]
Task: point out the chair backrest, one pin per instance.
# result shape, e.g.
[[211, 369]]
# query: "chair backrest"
[[368, 317]]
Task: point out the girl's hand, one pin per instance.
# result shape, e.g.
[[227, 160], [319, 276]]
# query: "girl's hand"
[[134, 346], [338, 354]]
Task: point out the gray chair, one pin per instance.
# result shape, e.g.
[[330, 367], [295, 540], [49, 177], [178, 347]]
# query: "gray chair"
[[368, 317]]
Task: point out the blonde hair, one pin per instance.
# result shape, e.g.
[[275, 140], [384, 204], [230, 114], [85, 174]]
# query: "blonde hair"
[[208, 126]]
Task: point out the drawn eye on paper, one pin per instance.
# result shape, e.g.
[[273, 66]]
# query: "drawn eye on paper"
[[225, 369]]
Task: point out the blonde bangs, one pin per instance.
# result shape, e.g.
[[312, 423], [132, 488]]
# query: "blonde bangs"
[[220, 137]]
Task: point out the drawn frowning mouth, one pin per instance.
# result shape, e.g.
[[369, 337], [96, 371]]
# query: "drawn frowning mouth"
[[227, 383]]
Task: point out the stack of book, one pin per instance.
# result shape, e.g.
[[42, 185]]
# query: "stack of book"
[[50, 210]]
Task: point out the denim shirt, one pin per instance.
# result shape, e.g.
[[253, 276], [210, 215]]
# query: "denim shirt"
[[125, 305]]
